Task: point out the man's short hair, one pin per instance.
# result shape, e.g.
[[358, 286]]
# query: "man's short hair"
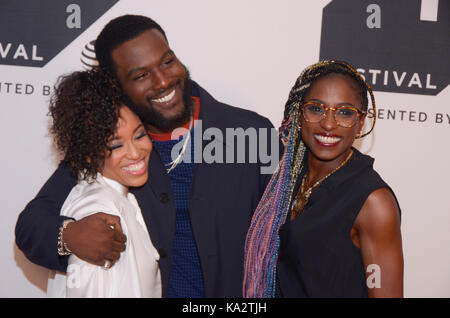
[[118, 31]]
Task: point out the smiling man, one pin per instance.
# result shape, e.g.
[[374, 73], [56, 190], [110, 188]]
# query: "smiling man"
[[197, 214], [155, 80]]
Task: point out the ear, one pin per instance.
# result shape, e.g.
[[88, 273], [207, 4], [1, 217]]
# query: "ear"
[[362, 120]]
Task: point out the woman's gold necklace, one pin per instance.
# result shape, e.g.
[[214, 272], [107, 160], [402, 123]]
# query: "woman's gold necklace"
[[303, 194]]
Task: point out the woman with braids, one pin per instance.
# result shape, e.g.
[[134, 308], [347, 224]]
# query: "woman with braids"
[[327, 224], [108, 150]]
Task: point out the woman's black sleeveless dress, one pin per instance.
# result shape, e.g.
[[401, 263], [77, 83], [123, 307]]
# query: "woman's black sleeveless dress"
[[317, 257]]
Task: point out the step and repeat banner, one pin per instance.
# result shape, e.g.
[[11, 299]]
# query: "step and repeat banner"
[[248, 54]]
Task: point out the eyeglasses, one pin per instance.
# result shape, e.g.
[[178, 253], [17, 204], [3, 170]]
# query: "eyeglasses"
[[345, 116]]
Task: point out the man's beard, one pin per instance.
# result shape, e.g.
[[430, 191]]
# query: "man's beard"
[[151, 117]]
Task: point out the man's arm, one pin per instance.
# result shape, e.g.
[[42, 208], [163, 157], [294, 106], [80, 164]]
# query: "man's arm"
[[91, 238]]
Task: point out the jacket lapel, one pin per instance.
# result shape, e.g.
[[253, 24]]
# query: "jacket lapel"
[[203, 217]]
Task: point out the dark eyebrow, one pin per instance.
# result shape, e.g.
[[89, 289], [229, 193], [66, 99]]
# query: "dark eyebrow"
[[340, 104], [315, 101], [139, 68], [138, 127], [134, 131], [167, 53]]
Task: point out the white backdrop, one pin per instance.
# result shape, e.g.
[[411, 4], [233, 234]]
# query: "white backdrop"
[[247, 54]]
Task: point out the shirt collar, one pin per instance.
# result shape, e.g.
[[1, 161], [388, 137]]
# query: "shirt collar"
[[123, 190]]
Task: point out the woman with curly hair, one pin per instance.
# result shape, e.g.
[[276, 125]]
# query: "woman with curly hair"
[[108, 150], [327, 224]]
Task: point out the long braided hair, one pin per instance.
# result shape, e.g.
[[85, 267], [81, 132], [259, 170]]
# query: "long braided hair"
[[262, 242]]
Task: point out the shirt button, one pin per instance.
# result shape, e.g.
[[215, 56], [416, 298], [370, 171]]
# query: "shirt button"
[[164, 197]]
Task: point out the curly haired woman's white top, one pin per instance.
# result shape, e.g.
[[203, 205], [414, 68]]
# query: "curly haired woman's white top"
[[135, 274]]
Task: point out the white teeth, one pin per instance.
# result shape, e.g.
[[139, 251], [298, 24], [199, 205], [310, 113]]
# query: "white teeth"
[[327, 139], [135, 166], [165, 99]]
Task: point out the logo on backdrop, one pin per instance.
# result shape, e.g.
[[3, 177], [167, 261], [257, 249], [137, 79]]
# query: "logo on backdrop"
[[88, 58], [398, 46], [34, 32]]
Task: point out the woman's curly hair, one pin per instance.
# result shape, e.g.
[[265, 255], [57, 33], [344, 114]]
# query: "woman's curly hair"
[[85, 110]]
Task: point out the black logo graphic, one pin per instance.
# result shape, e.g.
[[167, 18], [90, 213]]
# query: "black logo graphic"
[[391, 43], [32, 33], [88, 58]]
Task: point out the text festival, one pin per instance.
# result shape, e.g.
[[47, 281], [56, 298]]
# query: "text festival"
[[20, 52]]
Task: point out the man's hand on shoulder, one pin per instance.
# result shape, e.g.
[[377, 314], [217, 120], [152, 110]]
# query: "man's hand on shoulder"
[[96, 238]]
